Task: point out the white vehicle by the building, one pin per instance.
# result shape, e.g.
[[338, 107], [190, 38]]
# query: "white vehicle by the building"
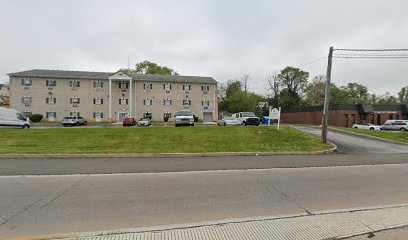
[[247, 118], [12, 118], [367, 126], [185, 118]]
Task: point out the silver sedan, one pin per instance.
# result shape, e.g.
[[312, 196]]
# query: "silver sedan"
[[229, 121]]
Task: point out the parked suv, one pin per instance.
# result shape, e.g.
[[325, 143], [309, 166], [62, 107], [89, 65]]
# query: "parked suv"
[[74, 121], [396, 125], [247, 118]]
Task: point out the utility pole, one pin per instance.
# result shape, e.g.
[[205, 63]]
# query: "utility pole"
[[325, 116]]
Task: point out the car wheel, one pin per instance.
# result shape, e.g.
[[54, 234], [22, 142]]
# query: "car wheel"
[[403, 129], [371, 128], [27, 126], [225, 124], [355, 127], [192, 125], [77, 123], [85, 123]]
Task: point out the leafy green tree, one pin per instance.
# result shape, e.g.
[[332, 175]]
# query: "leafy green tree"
[[314, 91], [357, 93], [293, 82], [147, 67], [403, 95], [233, 86], [243, 102], [387, 98]]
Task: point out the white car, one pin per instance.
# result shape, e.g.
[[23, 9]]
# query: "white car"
[[144, 122], [74, 120], [229, 121], [367, 126], [185, 118]]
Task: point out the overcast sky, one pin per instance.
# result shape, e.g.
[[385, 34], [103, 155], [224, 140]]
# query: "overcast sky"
[[218, 38]]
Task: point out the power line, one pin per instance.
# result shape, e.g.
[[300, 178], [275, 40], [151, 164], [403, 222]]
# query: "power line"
[[308, 63], [371, 50]]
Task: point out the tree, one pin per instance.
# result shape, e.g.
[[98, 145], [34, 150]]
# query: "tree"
[[403, 95], [273, 85], [243, 102], [357, 93], [147, 67], [233, 86], [387, 99], [314, 91], [293, 82]]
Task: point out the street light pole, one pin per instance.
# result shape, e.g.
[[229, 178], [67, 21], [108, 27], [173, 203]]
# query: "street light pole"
[[325, 116]]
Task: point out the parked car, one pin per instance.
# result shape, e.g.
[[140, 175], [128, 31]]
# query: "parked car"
[[229, 121], [396, 125], [12, 118], [367, 126], [144, 122], [185, 118], [74, 121], [129, 122], [247, 118]]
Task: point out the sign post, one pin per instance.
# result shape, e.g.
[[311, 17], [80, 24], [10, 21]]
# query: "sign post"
[[274, 113]]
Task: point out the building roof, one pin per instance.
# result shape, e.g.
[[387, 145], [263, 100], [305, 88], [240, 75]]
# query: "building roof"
[[105, 76], [362, 108]]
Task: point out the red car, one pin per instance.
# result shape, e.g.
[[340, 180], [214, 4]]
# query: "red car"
[[129, 122]]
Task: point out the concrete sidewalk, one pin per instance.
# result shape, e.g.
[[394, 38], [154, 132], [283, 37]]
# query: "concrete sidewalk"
[[324, 225]]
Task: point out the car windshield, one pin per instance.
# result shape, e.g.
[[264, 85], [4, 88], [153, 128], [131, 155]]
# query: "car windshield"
[[184, 113], [248, 114], [144, 119], [69, 117], [228, 118]]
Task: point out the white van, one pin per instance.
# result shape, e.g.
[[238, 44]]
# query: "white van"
[[12, 118]]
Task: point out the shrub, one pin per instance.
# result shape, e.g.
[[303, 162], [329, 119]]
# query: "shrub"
[[195, 118], [166, 119], [36, 118]]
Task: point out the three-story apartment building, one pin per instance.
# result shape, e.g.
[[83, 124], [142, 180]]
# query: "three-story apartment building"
[[107, 96]]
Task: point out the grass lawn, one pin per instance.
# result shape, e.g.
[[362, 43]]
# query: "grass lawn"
[[156, 140], [396, 136]]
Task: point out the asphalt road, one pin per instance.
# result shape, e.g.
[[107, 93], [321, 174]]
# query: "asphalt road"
[[39, 205]]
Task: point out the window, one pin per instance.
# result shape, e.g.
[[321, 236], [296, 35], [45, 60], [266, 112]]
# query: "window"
[[205, 103], [186, 102], [74, 83], [372, 119], [26, 82], [147, 115], [167, 102], [390, 117], [147, 86], [98, 114], [379, 119], [166, 115], [205, 88], [123, 85], [123, 101], [147, 102], [98, 101], [27, 100], [186, 87], [50, 83], [397, 117], [98, 84], [74, 114], [21, 117], [74, 100], [167, 86], [27, 114], [51, 100], [51, 115], [346, 122]]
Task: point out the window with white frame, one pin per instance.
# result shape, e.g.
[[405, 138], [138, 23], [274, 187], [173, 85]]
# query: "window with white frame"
[[74, 114], [98, 84], [147, 101], [98, 101], [187, 87], [123, 101], [98, 114], [205, 88], [123, 85], [50, 100], [186, 102], [167, 86], [27, 114], [147, 86], [167, 102], [26, 82], [27, 100], [205, 103], [166, 115], [74, 83], [51, 115], [74, 100], [50, 83], [147, 115]]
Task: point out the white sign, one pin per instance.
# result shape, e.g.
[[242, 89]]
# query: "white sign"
[[274, 113]]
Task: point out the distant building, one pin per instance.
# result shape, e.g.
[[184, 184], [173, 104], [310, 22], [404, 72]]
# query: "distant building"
[[4, 95], [108, 96], [345, 115]]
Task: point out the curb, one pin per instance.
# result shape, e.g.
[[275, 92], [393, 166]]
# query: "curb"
[[165, 155], [367, 136]]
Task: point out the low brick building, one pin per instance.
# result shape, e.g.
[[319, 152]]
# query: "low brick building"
[[345, 115]]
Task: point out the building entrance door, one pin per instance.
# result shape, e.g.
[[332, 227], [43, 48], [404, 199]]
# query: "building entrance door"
[[207, 117], [122, 116]]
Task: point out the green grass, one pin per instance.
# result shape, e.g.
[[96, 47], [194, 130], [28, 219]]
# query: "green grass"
[[156, 140], [396, 136]]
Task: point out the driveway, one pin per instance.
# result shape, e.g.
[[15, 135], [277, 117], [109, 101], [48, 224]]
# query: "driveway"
[[349, 143]]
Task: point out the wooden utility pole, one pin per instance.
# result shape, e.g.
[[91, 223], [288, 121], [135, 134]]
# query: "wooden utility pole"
[[325, 116]]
